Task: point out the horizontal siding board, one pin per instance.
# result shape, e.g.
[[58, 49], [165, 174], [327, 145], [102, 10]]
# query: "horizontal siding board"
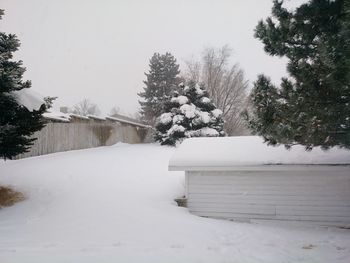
[[279, 209], [212, 196], [230, 215], [322, 218], [273, 209], [240, 209], [272, 200], [313, 211], [272, 185], [271, 175], [265, 215], [290, 195], [262, 192], [281, 179], [266, 186], [302, 222], [319, 182]]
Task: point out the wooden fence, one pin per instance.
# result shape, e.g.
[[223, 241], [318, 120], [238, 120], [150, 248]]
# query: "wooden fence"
[[67, 136]]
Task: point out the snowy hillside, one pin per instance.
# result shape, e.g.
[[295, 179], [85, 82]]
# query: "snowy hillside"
[[115, 204]]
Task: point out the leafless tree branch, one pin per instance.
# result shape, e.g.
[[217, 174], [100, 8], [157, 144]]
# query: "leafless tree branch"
[[85, 107], [226, 85]]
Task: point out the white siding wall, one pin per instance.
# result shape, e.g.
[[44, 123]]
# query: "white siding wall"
[[319, 195]]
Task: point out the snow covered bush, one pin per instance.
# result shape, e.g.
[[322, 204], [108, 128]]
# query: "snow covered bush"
[[189, 113]]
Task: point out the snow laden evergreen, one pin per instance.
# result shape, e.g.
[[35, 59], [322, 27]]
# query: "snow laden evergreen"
[[162, 81], [17, 122], [189, 113], [312, 106]]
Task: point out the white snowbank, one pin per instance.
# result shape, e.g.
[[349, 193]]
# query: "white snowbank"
[[115, 204], [29, 99], [248, 151]]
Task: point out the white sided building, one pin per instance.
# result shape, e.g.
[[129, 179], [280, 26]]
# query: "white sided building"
[[241, 178]]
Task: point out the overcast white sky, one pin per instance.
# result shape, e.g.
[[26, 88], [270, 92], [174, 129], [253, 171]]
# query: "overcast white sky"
[[99, 50]]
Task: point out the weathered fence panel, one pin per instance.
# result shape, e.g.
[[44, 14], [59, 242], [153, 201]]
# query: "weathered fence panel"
[[67, 136]]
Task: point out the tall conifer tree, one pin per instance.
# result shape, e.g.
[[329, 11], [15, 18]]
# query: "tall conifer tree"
[[17, 123], [312, 106], [162, 81]]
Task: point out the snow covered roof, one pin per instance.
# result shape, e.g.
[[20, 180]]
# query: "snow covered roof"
[[128, 122], [29, 99], [230, 153], [57, 115], [96, 117], [67, 117], [78, 116]]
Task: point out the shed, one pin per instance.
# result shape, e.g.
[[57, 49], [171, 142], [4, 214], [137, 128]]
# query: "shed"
[[241, 178]]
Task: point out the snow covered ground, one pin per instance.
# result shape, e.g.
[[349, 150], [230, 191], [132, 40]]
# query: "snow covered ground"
[[115, 204]]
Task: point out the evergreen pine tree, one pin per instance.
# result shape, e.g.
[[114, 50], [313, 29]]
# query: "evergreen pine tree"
[[311, 107], [17, 123], [189, 113], [162, 81]]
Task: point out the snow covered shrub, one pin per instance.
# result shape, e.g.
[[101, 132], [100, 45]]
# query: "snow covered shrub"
[[189, 113]]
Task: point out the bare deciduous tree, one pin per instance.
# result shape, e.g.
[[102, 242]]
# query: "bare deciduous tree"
[[225, 83], [85, 107], [115, 110]]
